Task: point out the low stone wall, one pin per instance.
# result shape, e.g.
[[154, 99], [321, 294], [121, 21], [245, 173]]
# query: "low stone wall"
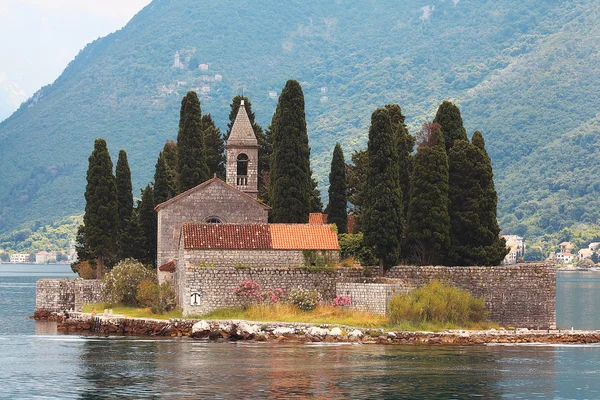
[[56, 295], [254, 258], [522, 295], [214, 285], [372, 297]]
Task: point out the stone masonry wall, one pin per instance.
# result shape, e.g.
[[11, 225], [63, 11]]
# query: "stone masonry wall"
[[217, 199], [57, 295], [522, 295], [372, 297], [254, 258], [216, 285]]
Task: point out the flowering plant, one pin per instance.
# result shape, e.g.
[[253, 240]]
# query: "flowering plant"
[[250, 292], [341, 301], [304, 299], [274, 295]]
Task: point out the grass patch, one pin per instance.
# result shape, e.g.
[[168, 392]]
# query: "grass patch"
[[131, 311]]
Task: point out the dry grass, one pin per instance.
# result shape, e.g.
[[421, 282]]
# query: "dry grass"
[[131, 311]]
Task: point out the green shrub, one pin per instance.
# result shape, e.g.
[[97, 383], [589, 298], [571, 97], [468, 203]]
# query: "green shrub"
[[436, 302], [351, 245], [313, 258], [304, 299], [159, 298], [121, 284]]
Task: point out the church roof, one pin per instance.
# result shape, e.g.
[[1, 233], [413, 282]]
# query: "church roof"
[[202, 185], [242, 133], [259, 237]]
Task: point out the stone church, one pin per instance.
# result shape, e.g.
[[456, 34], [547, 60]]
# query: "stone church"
[[224, 224]]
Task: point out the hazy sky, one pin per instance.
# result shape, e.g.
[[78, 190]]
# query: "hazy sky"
[[38, 38]]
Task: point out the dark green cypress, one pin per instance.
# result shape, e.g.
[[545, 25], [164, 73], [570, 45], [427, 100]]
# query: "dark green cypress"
[[406, 144], [316, 205], [356, 175], [428, 221], [124, 190], [147, 218], [170, 154], [381, 211], [495, 247], [215, 147], [131, 239], [101, 218], [192, 168], [337, 209], [290, 181], [164, 185], [451, 123]]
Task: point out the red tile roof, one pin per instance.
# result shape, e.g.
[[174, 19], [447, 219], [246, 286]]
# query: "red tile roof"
[[259, 236], [203, 184], [317, 219], [168, 266]]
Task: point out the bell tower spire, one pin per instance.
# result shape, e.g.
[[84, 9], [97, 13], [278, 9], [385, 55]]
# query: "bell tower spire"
[[242, 154]]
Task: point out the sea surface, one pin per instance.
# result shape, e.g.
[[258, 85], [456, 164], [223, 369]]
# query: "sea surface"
[[38, 363]]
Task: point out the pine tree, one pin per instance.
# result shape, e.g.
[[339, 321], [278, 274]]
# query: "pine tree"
[[215, 147], [495, 248], [164, 184], [147, 219], [192, 168], [451, 123], [381, 211], [290, 181], [101, 218], [406, 143], [337, 210], [428, 222]]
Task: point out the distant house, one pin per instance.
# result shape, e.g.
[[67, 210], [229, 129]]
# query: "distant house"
[[585, 253], [42, 257], [19, 258], [594, 246], [516, 244], [566, 247], [564, 258], [203, 67]]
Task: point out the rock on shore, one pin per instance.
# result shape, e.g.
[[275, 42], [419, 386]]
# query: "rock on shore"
[[303, 332]]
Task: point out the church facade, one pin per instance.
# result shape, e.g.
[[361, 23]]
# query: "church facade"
[[224, 224]]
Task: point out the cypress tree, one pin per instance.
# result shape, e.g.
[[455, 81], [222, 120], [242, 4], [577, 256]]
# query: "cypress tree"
[[356, 175], [451, 123], [215, 147], [131, 239], [495, 247], [124, 190], [191, 152], [316, 205], [381, 210], [147, 219], [406, 143], [290, 180], [101, 218], [428, 221], [170, 154], [164, 184], [337, 208]]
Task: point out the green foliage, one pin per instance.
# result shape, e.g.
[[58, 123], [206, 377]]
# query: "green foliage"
[[290, 178], [451, 123], [316, 258], [314, 199], [147, 218], [436, 302], [122, 283], [191, 151], [356, 177], [352, 246], [101, 218], [304, 299], [337, 211], [164, 180], [52, 237], [215, 147], [428, 222], [124, 189], [132, 240], [85, 269], [159, 298], [382, 209]]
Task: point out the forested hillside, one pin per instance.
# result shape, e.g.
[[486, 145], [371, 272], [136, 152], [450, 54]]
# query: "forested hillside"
[[526, 73]]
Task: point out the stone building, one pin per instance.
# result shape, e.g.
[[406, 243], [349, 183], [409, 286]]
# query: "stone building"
[[223, 223]]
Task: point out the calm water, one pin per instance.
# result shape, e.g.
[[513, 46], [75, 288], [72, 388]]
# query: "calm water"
[[37, 363]]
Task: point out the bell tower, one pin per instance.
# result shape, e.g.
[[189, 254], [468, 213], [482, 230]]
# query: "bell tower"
[[242, 154]]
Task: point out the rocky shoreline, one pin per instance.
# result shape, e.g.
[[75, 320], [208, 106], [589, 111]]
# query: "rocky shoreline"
[[83, 323]]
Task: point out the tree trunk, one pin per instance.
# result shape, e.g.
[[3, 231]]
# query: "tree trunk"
[[99, 267], [381, 269]]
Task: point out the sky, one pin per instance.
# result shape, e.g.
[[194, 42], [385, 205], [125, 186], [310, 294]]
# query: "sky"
[[38, 38]]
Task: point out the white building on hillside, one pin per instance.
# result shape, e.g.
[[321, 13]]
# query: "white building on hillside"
[[19, 258], [516, 244]]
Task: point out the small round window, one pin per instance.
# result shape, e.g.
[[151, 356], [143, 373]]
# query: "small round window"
[[214, 220]]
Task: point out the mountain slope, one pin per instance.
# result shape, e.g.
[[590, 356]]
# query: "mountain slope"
[[523, 72]]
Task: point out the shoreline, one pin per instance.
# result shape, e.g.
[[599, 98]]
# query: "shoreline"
[[304, 332]]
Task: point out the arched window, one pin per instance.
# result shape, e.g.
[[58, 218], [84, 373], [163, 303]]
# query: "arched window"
[[214, 220], [242, 169]]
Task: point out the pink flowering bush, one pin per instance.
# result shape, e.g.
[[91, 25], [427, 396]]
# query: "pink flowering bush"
[[341, 301], [250, 292], [247, 290], [273, 296]]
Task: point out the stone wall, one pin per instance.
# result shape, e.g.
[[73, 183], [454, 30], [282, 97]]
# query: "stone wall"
[[372, 297], [522, 295], [254, 258], [215, 199], [215, 285], [56, 295]]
